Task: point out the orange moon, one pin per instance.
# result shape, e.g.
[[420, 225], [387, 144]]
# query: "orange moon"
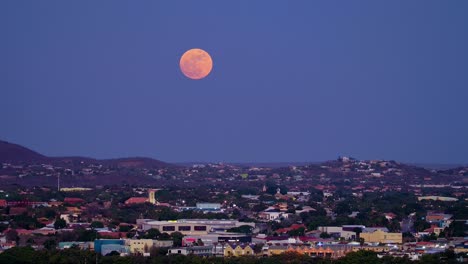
[[196, 64]]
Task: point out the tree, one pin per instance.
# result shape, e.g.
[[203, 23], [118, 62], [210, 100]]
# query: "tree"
[[430, 237], [97, 224], [30, 241], [324, 235], [164, 236], [125, 228], [394, 226], [24, 255], [50, 244], [152, 233], [358, 231], [246, 229], [12, 235], [86, 235], [343, 208], [420, 224], [27, 222], [297, 232], [199, 242], [113, 253], [408, 237], [158, 251], [457, 229], [361, 256], [236, 213], [177, 238], [60, 223]]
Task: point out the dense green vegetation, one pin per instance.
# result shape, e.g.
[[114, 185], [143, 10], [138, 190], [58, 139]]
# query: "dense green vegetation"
[[26, 255]]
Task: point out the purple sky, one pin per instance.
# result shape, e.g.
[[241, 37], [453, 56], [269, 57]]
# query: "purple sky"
[[291, 81]]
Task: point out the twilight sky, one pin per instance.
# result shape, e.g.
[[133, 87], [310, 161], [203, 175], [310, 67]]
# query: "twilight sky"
[[291, 80]]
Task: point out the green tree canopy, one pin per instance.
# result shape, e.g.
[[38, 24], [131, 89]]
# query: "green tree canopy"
[[60, 223]]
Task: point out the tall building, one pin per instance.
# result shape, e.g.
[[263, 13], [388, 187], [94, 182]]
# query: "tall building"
[[151, 196]]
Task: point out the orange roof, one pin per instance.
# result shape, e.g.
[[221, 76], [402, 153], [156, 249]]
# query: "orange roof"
[[113, 234], [292, 227], [136, 200], [73, 200]]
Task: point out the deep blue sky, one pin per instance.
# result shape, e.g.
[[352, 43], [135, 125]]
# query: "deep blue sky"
[[292, 80]]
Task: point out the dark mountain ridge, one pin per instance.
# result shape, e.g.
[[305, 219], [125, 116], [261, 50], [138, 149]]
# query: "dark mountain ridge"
[[14, 153], [17, 154]]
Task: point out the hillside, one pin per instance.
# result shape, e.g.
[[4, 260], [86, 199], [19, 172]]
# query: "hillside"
[[13, 153]]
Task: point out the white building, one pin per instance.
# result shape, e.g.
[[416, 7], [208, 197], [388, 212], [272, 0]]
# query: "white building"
[[191, 226]]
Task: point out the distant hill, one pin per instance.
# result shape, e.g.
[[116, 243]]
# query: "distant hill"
[[10, 152], [136, 162], [13, 153]]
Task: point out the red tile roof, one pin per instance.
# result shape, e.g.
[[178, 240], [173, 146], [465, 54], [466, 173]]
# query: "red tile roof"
[[292, 227], [73, 200], [136, 200]]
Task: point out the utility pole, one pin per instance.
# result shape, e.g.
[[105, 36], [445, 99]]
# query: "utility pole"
[[95, 247], [58, 182]]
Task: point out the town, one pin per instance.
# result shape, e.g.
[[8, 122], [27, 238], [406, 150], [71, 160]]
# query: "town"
[[327, 211]]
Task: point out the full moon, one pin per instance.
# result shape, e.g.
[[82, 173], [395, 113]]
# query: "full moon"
[[196, 64]]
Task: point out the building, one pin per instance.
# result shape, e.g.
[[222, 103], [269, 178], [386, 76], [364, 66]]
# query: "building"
[[272, 215], [79, 244], [438, 198], [75, 189], [127, 246], [381, 236], [152, 196], [45, 231], [333, 251], [139, 246], [136, 200], [109, 248], [73, 200], [218, 237], [312, 251], [263, 239], [291, 228], [100, 244], [209, 206], [195, 250], [192, 226], [163, 243], [439, 219], [150, 199], [236, 250], [435, 230], [346, 232], [378, 249], [327, 252]]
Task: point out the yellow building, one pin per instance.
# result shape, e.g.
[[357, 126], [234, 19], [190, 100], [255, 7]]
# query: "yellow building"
[[312, 251], [139, 246], [275, 250], [151, 196], [379, 236], [233, 250], [326, 252], [377, 249], [438, 198], [75, 189]]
